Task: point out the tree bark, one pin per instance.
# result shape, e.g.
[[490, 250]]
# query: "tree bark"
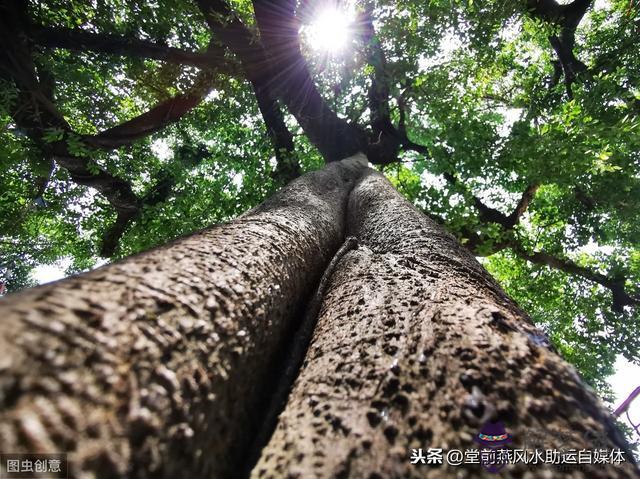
[[416, 346], [162, 365], [155, 366]]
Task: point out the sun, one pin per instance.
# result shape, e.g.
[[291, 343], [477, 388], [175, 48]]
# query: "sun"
[[330, 30]]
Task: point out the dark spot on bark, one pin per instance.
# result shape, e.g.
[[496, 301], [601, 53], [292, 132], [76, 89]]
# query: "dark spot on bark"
[[401, 402], [456, 422], [390, 432], [423, 435], [391, 387], [93, 431], [467, 355], [470, 378], [501, 321], [92, 358], [374, 418], [408, 388], [390, 349], [164, 306], [11, 392], [353, 382], [88, 316], [104, 462], [342, 473]]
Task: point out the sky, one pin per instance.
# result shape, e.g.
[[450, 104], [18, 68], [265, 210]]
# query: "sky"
[[623, 382]]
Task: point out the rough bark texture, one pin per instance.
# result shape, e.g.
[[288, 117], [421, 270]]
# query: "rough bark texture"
[[155, 366], [416, 346], [162, 365]]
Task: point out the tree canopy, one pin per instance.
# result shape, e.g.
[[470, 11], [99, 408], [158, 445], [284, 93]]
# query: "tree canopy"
[[128, 123]]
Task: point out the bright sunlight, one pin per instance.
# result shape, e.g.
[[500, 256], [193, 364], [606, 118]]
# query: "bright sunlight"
[[331, 30]]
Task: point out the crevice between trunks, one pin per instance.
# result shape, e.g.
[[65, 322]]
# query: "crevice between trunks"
[[291, 356]]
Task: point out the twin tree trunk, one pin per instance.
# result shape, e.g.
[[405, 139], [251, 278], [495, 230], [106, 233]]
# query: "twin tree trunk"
[[164, 364]]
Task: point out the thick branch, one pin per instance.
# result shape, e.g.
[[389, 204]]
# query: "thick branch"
[[568, 17], [616, 285], [35, 114], [83, 40], [334, 137], [112, 235], [492, 215], [35, 117], [162, 114], [571, 66], [527, 196], [572, 14], [233, 33], [154, 120], [407, 144], [84, 171], [385, 142]]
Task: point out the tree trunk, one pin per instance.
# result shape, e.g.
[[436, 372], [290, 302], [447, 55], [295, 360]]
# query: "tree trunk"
[[416, 346], [156, 366], [161, 365]]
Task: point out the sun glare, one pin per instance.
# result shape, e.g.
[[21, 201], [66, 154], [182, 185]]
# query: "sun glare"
[[330, 31]]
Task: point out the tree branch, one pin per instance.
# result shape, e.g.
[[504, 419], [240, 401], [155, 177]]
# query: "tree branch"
[[155, 119], [527, 196], [571, 66], [83, 40], [568, 17], [334, 137], [234, 34], [386, 140], [492, 215], [36, 115], [162, 114], [616, 285], [487, 214]]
